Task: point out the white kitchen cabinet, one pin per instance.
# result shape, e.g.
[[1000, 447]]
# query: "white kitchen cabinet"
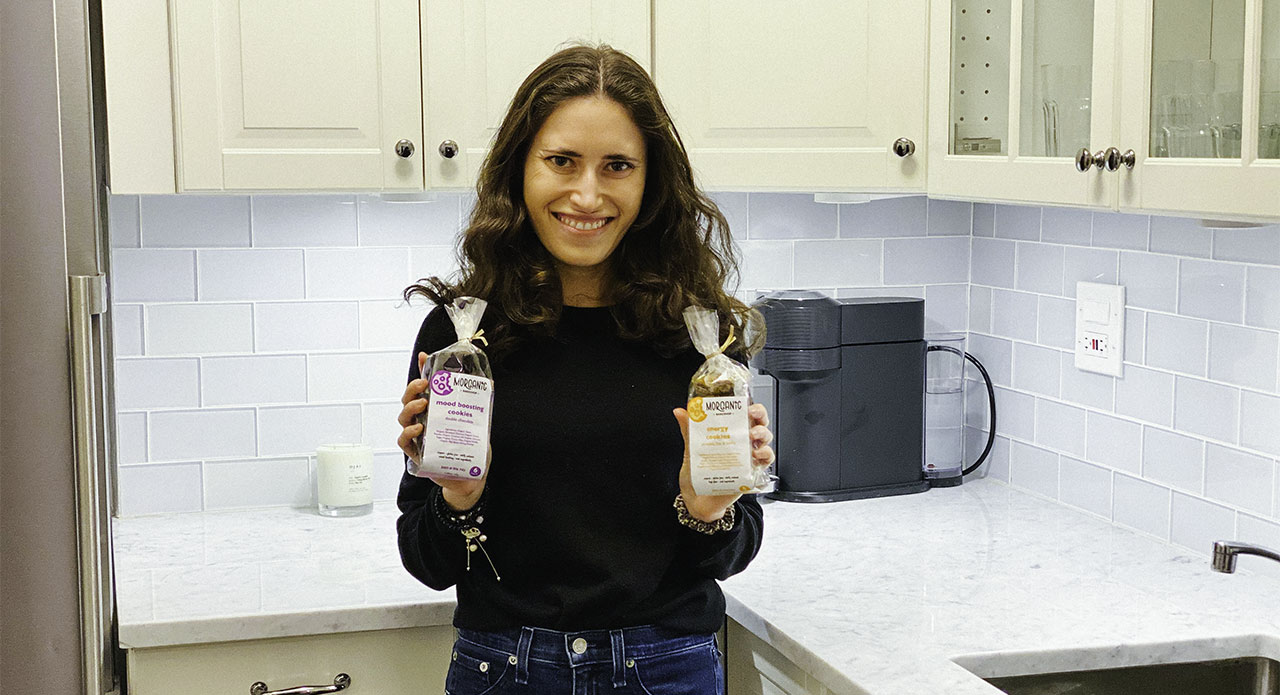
[[808, 97], [407, 661], [283, 95], [1187, 92], [754, 667], [477, 52]]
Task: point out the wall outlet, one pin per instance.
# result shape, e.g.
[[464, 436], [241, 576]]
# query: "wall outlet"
[[1099, 336]]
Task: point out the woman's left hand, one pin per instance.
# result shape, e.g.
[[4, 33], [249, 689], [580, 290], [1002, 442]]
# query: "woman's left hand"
[[710, 508]]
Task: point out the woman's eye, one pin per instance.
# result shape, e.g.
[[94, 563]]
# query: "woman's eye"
[[619, 167], [559, 161]]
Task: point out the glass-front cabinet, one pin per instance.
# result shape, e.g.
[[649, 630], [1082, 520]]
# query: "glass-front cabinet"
[[1157, 105]]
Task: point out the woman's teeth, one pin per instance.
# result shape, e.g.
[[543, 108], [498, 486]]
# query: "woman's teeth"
[[583, 226]]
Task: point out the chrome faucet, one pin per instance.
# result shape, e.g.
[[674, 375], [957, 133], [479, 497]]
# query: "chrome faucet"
[[1224, 554]]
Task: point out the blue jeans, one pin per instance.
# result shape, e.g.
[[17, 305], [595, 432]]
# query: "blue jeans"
[[532, 661]]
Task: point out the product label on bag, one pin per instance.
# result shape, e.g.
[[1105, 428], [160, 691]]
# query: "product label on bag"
[[720, 445], [455, 439]]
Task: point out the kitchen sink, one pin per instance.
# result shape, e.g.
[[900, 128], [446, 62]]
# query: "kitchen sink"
[[1239, 676]]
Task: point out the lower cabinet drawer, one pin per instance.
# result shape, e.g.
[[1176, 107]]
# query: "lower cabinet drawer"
[[383, 662], [753, 667]]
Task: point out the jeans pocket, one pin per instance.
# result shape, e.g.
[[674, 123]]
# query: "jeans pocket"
[[692, 671], [475, 669]]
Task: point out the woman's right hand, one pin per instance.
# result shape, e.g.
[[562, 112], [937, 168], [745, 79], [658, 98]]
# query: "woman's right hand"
[[460, 495]]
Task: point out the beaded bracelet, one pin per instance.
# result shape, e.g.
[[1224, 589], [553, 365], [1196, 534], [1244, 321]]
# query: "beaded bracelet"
[[724, 523], [467, 523]]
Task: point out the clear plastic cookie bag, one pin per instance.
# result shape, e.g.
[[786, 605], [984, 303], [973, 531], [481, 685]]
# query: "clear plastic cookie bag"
[[720, 458], [455, 426]]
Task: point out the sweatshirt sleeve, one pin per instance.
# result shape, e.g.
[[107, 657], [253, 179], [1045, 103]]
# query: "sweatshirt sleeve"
[[429, 550], [724, 554]]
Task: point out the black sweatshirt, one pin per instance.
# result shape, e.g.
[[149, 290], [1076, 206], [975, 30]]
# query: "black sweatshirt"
[[578, 502]]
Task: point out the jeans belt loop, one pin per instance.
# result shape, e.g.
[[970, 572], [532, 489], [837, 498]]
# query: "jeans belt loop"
[[619, 659], [522, 655]]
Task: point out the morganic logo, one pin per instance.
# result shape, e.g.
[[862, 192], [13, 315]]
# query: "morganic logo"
[[472, 383], [440, 383], [722, 406]]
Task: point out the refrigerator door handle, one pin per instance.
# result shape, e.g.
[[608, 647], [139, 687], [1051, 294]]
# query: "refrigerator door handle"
[[88, 299]]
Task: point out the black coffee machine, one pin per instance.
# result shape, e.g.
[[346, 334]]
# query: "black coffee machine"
[[849, 402]]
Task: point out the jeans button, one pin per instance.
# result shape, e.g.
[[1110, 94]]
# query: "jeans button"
[[579, 646]]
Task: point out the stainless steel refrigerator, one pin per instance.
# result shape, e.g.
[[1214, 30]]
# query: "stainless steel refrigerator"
[[57, 615]]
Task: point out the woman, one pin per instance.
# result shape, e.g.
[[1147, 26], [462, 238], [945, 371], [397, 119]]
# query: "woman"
[[596, 562]]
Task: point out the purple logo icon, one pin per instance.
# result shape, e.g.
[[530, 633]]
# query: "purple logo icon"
[[475, 471], [441, 383]]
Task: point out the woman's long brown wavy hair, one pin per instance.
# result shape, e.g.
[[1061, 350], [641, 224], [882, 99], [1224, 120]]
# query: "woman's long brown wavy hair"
[[678, 251]]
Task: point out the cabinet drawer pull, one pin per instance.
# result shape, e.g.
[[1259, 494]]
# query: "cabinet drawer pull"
[[340, 682]]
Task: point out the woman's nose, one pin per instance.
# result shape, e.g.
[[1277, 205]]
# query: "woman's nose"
[[586, 192]]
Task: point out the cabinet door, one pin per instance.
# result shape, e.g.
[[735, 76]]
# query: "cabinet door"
[[477, 52], [1201, 107], [808, 96], [408, 661], [1018, 88], [285, 95]]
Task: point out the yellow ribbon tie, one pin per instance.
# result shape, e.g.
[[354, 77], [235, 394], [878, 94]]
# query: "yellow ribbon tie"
[[728, 341], [479, 335]]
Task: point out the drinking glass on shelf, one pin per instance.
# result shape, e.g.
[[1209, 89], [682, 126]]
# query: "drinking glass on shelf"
[[1064, 104]]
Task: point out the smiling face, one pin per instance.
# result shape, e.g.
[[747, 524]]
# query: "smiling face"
[[583, 184]]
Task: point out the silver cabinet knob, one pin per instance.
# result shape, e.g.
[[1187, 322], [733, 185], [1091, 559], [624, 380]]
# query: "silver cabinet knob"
[[1084, 159], [404, 148], [903, 147], [448, 149], [340, 683], [1125, 159]]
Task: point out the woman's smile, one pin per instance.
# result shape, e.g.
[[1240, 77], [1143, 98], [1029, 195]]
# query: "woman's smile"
[[580, 223]]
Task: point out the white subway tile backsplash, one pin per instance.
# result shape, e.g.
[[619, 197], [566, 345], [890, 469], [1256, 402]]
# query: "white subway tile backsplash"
[[1196, 523], [1239, 479], [1013, 314], [1150, 280], [1057, 322], [946, 308], [298, 430], [131, 437], [304, 221], [767, 264], [1060, 427], [190, 434], [838, 263], [1036, 369], [1066, 226], [890, 217], [1085, 485], [1114, 442], [1180, 236], [996, 355], [1015, 414], [431, 261], [249, 274], [791, 216], [126, 329], [307, 326], [1207, 409], [1086, 388], [1173, 459], [1258, 245], [1260, 422], [192, 329], [194, 221], [260, 482], [950, 218], [1146, 394], [1176, 343], [1211, 290], [1141, 505], [159, 489], [980, 309], [984, 220], [1135, 336], [379, 427], [1117, 230], [1017, 222], [1264, 532], [157, 383], [1088, 265], [153, 275], [420, 223], [926, 260], [122, 221], [1243, 356], [997, 463], [391, 323], [252, 380], [388, 470], [993, 262], [1262, 297], [734, 208], [357, 376], [1033, 468], [1040, 268], [365, 273]]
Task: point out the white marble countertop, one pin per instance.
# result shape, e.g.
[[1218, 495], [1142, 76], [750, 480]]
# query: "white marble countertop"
[[882, 596]]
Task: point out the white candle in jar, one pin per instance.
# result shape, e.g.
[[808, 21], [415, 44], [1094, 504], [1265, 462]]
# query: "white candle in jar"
[[344, 479]]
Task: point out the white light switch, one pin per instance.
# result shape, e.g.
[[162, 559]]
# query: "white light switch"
[[1099, 336]]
